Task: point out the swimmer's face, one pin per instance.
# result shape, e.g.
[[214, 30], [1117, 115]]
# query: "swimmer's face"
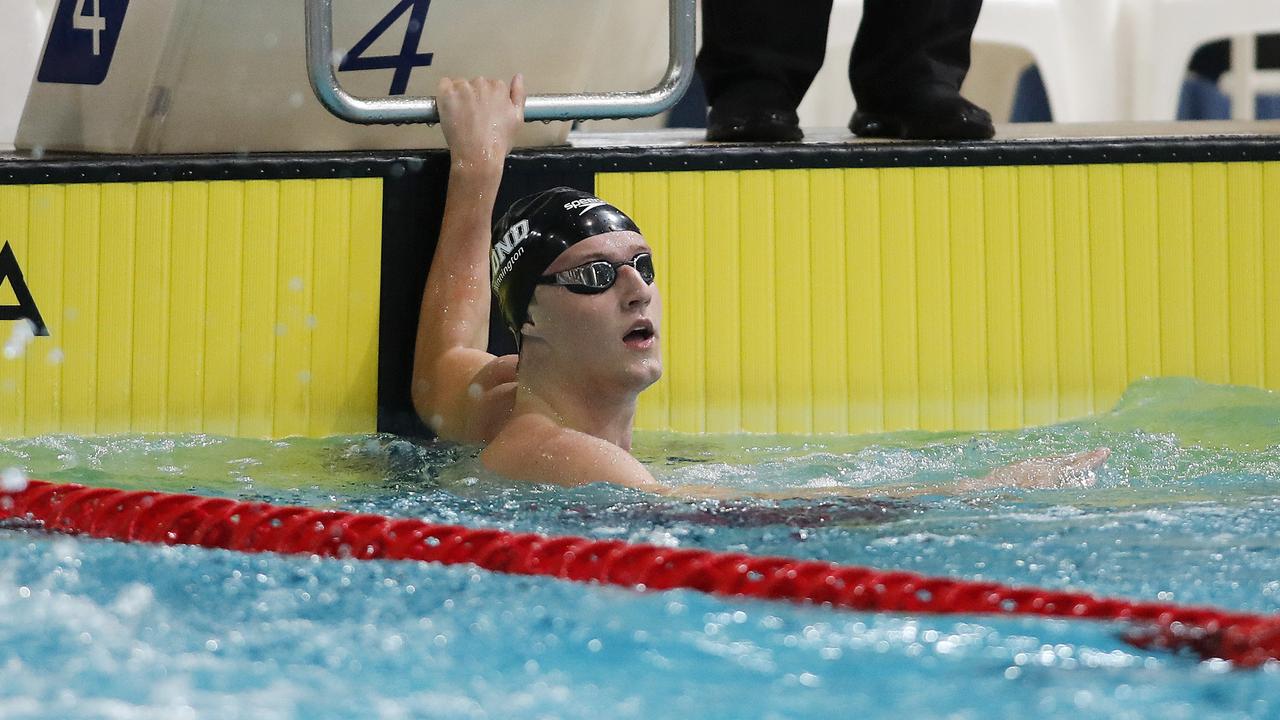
[[610, 336]]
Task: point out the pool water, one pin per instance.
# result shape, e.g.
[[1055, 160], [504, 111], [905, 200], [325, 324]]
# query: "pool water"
[[1187, 511]]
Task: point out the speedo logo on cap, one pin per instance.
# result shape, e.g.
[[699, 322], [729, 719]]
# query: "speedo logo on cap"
[[584, 204], [506, 251]]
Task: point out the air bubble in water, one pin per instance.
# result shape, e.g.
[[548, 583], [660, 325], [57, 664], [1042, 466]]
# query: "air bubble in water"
[[13, 480]]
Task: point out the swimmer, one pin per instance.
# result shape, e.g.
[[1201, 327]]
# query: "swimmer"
[[574, 279]]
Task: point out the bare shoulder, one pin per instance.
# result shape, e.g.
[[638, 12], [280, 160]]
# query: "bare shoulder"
[[472, 397], [535, 448]]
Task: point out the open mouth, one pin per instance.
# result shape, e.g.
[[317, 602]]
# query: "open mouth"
[[641, 334]]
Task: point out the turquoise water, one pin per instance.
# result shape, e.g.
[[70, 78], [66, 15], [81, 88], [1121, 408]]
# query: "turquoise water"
[[1187, 510]]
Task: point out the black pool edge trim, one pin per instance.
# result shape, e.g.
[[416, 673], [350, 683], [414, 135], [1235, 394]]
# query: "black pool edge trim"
[[74, 168]]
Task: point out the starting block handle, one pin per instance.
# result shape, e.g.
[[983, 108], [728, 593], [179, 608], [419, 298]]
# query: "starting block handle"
[[564, 106]]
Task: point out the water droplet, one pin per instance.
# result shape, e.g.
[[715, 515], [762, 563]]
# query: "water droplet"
[[37, 152], [270, 40], [296, 99], [338, 55], [312, 322], [304, 377], [24, 331], [295, 284], [281, 329], [474, 391], [56, 356], [13, 480], [594, 645]]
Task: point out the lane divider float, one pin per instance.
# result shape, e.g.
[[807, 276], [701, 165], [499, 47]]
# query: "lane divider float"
[[1248, 640]]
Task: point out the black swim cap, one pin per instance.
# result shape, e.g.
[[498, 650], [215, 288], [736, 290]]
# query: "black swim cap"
[[533, 233]]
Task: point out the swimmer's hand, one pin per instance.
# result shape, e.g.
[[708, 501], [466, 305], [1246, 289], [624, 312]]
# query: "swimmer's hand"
[[1053, 472], [480, 118], [1056, 471]]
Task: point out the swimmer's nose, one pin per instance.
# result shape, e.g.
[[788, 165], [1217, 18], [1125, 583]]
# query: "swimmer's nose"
[[635, 291]]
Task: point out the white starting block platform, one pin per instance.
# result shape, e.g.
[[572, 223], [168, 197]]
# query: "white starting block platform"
[[197, 76]]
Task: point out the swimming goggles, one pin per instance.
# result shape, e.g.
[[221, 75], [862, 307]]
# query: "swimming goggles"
[[598, 276]]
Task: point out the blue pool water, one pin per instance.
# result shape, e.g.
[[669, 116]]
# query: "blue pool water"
[[1186, 511]]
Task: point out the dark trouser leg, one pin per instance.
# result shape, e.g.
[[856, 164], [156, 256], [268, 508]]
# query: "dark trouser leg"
[[909, 60], [904, 45], [766, 50]]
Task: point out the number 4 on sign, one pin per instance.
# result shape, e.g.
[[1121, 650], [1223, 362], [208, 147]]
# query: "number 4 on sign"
[[94, 23], [409, 57]]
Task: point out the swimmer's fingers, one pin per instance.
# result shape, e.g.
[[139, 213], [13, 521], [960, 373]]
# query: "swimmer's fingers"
[[450, 94], [1076, 470], [518, 95], [1088, 461], [1057, 471]]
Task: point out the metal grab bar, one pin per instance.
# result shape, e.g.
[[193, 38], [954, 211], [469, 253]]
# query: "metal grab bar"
[[562, 106]]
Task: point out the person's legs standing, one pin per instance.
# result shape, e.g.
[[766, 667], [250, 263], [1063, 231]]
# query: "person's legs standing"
[[908, 63], [758, 59]]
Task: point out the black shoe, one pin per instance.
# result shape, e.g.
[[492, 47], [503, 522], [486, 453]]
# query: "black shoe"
[[756, 124], [932, 117]]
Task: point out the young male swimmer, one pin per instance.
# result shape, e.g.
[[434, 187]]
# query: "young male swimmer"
[[574, 279]]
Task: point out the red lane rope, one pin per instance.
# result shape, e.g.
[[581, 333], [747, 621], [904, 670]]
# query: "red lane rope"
[[1245, 639]]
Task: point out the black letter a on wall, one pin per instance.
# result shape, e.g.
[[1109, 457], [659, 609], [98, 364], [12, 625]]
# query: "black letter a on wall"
[[26, 307]]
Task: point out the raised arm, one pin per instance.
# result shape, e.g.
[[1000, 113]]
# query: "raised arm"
[[457, 384]]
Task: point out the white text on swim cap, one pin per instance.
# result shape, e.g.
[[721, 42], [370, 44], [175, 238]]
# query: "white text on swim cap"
[[584, 203], [500, 257]]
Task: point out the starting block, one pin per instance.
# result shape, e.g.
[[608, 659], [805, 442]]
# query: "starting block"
[[201, 76]]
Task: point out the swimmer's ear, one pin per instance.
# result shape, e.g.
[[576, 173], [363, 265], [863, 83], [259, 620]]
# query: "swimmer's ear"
[[529, 328]]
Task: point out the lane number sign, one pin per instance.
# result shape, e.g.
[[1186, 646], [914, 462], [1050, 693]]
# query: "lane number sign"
[[408, 57], [82, 41]]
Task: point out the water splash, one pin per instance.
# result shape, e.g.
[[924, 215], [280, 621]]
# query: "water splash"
[[24, 332]]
